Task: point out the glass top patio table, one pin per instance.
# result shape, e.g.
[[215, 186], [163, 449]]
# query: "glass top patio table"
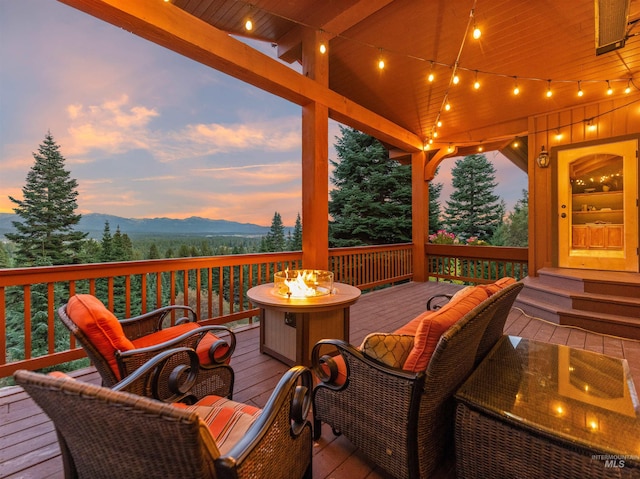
[[583, 398]]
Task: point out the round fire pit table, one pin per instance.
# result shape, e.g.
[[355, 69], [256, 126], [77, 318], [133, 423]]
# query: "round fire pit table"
[[289, 327]]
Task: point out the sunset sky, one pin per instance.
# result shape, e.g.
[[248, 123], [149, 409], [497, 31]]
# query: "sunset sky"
[[146, 132]]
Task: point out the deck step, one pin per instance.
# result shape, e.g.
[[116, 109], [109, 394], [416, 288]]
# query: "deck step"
[[600, 301]]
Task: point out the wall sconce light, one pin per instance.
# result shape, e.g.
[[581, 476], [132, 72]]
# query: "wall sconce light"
[[543, 158]]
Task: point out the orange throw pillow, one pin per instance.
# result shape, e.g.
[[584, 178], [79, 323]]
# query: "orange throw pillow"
[[437, 322], [100, 326]]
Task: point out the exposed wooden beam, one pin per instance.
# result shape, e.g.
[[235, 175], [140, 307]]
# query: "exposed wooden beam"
[[173, 28], [290, 45]]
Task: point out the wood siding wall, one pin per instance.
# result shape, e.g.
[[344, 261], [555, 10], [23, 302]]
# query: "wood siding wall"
[[613, 118]]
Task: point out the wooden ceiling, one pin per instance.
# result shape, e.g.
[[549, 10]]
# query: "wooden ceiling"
[[523, 43], [532, 44]]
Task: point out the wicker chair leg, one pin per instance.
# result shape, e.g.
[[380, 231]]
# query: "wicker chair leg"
[[317, 428]]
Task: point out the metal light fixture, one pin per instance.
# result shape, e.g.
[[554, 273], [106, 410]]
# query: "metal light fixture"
[[543, 158]]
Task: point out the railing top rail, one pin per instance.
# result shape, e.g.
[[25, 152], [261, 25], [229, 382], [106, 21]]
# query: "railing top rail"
[[504, 253]]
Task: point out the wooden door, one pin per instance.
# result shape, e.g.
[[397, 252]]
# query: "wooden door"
[[597, 191]]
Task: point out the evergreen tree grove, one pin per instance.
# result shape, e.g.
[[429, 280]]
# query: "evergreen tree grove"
[[473, 209], [371, 202], [46, 235]]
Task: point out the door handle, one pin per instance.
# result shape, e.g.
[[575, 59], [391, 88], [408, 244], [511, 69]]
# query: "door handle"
[[563, 215]]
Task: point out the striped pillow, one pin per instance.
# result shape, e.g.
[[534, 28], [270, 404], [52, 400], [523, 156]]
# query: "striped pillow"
[[227, 421]]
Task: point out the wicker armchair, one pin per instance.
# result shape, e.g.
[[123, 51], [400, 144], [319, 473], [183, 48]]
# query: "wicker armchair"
[[111, 434], [119, 347], [403, 421]]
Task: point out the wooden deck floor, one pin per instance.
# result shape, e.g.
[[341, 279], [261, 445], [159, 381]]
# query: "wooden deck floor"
[[28, 447]]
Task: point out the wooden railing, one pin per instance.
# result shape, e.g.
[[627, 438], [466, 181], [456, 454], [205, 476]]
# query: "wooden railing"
[[215, 286], [475, 264]]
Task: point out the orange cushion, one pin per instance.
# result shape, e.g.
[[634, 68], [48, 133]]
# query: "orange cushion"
[[437, 322], [100, 326], [502, 283], [412, 326], [173, 332], [340, 369], [227, 420]]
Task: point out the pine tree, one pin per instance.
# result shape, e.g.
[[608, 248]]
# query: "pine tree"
[[5, 261], [275, 239], [47, 235], [107, 244], [153, 252], [371, 202], [294, 242], [473, 209], [435, 223]]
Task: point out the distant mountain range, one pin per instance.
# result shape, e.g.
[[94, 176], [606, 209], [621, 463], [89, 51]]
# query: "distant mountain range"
[[93, 223]]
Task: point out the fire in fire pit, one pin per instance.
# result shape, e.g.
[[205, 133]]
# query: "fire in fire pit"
[[303, 283]]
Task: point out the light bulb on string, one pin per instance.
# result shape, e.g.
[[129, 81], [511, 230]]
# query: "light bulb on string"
[[609, 89], [431, 76], [447, 106], [456, 79], [628, 89], [549, 91], [323, 48], [516, 88], [580, 92], [439, 123], [248, 25], [477, 33], [476, 83], [381, 64], [480, 148]]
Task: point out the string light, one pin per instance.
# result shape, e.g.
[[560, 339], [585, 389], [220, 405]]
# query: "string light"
[[558, 135], [454, 79], [431, 76], [477, 33], [249, 25], [450, 148], [480, 148]]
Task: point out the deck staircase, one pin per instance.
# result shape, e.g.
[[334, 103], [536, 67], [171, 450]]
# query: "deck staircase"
[[600, 301]]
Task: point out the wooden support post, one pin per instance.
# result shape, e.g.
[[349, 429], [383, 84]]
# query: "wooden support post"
[[315, 162], [419, 214]]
